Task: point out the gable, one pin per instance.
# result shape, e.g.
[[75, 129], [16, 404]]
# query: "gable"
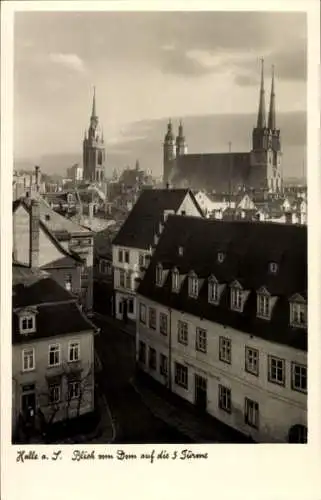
[[189, 207]]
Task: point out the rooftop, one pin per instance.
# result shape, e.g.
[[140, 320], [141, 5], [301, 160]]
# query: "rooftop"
[[248, 248]]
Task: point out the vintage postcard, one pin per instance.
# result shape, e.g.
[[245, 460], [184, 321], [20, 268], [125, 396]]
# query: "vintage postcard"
[[160, 245]]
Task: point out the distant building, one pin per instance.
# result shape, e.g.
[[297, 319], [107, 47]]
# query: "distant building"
[[222, 322], [30, 183], [75, 173], [94, 154], [136, 237], [228, 172], [52, 353]]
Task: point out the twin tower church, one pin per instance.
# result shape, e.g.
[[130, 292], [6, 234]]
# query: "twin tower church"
[[259, 169]]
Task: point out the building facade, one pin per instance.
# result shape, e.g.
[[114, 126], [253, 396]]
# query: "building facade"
[[224, 326], [258, 169], [136, 237], [52, 352]]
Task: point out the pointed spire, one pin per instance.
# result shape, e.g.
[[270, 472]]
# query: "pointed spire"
[[93, 113], [85, 134], [180, 129], [272, 121], [261, 114]]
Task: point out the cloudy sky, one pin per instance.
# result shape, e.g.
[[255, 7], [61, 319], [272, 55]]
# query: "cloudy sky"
[[202, 67]]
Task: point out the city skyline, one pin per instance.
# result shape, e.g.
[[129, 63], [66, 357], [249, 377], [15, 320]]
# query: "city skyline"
[[189, 63]]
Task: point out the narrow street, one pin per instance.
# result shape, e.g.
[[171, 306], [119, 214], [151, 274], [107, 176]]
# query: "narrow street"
[[134, 422]]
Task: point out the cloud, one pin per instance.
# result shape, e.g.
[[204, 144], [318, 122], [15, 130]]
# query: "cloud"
[[71, 61]]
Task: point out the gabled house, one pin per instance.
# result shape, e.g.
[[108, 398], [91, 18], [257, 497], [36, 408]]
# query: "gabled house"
[[138, 234], [222, 322], [52, 353], [55, 242]]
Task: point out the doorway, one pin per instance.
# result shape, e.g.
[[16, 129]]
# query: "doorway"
[[200, 392], [28, 405]]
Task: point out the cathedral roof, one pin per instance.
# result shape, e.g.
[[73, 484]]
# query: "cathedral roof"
[[223, 172]]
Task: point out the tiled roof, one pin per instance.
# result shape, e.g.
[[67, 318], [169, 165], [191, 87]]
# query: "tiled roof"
[[56, 310], [54, 320], [55, 222], [223, 171], [43, 290], [249, 247], [143, 221]]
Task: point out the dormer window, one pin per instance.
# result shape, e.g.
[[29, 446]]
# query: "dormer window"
[[220, 257], [298, 312], [238, 296], [213, 291], [273, 267], [175, 280], [159, 275], [263, 306], [193, 285], [27, 323]]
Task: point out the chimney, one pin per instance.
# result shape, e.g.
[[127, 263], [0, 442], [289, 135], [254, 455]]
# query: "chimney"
[[167, 185], [34, 233], [91, 211], [37, 180]]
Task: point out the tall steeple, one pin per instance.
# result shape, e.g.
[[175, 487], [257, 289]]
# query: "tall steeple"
[[93, 113], [261, 123], [181, 147], [272, 121]]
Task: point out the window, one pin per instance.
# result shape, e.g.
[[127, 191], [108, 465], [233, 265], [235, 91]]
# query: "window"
[[131, 306], [163, 323], [298, 314], [225, 350], [276, 370], [100, 157], [54, 394], [105, 267], [54, 355], [193, 286], [251, 360], [181, 375], [28, 359], [142, 352], [201, 340], [27, 323], [213, 295], [127, 256], [68, 282], [152, 318], [122, 277], [142, 313], [128, 278], [141, 260], [152, 358], [182, 332], [159, 275], [74, 389], [224, 398], [220, 257], [236, 299], [120, 256], [263, 306], [163, 365], [74, 351], [251, 413], [273, 267], [299, 377], [175, 281], [181, 251]]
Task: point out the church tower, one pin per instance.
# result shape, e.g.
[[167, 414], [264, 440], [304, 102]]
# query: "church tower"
[[169, 149], [265, 157], [181, 146], [94, 149]]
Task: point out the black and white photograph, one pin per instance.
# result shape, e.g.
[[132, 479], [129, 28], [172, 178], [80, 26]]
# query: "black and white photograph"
[[160, 212]]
